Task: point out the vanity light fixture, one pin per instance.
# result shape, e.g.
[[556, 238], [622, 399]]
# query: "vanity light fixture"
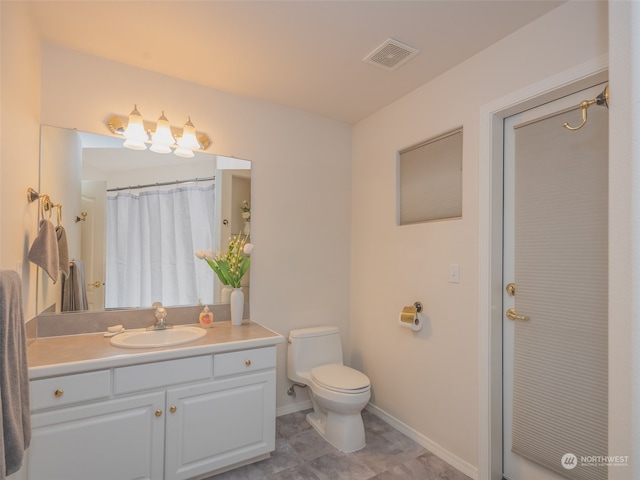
[[162, 135]]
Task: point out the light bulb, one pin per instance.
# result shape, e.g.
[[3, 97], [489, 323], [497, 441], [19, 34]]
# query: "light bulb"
[[162, 138], [134, 133], [189, 139]]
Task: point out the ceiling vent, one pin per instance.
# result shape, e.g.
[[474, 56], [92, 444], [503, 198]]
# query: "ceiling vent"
[[391, 54]]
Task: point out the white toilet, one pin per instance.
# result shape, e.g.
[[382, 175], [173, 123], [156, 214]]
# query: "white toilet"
[[338, 393]]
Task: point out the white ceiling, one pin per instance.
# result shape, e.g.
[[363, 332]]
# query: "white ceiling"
[[302, 54]]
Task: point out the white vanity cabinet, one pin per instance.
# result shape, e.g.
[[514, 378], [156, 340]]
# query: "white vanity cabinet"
[[175, 419]]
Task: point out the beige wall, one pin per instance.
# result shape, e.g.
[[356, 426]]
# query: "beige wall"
[[428, 380], [20, 145]]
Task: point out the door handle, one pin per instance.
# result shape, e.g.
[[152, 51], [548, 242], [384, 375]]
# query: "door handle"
[[512, 315], [96, 284]]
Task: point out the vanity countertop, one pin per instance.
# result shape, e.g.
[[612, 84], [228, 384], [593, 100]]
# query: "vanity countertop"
[[51, 356]]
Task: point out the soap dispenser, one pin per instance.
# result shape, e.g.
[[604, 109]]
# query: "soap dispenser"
[[206, 318]]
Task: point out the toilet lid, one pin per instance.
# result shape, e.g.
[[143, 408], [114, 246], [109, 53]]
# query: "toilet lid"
[[340, 378]]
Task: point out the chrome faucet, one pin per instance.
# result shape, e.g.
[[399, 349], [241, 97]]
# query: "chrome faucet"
[[161, 314]]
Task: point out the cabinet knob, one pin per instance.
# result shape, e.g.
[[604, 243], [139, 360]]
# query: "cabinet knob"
[[173, 409], [58, 393], [247, 363], [158, 413]]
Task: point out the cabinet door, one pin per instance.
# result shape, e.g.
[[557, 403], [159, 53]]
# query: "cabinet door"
[[218, 424], [117, 439]]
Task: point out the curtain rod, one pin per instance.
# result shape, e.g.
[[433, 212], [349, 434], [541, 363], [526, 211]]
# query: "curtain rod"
[[161, 184]]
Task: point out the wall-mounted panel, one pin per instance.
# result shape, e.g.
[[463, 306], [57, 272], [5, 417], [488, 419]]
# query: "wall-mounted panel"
[[430, 180]]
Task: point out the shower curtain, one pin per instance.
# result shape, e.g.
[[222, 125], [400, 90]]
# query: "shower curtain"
[[152, 237]]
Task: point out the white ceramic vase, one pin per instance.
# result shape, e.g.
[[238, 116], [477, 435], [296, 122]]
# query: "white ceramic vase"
[[237, 306]]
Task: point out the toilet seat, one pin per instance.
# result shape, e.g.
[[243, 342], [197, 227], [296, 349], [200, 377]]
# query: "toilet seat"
[[340, 378]]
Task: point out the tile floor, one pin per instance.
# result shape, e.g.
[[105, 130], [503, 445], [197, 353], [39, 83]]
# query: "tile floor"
[[301, 454]]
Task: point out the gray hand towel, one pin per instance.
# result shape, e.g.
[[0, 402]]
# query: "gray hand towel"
[[74, 289], [63, 250], [15, 423], [44, 251]]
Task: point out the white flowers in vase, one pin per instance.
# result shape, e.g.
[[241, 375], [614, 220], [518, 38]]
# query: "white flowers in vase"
[[230, 266]]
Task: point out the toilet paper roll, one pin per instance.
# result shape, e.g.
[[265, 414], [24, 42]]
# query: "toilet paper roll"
[[409, 319]]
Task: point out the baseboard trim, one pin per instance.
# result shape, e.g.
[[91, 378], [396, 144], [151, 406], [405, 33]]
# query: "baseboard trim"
[[427, 443]]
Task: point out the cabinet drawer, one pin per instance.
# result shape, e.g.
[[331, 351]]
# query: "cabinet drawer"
[[162, 374], [65, 390], [244, 361]]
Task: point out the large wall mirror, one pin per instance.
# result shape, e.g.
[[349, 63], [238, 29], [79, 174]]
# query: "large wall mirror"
[[133, 220]]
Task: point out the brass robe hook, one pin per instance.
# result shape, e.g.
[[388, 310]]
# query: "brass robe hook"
[[602, 99]]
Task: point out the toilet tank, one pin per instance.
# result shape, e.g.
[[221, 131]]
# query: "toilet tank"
[[312, 347]]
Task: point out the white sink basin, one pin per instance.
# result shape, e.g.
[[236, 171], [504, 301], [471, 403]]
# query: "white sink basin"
[[157, 338]]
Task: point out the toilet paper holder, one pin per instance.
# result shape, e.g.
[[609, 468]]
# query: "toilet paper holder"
[[409, 317]]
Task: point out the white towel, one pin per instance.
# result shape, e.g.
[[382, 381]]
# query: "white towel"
[[15, 426], [44, 251]]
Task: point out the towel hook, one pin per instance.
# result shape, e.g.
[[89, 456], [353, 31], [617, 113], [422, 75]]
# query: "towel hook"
[[602, 99], [46, 205]]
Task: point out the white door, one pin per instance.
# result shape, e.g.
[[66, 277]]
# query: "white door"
[[214, 425], [119, 439], [92, 245], [555, 257]]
